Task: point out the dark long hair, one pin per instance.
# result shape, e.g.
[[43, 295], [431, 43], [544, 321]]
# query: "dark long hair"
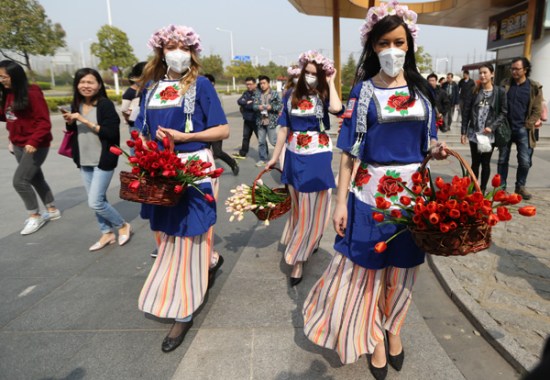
[[301, 89], [369, 64], [19, 86], [77, 97]]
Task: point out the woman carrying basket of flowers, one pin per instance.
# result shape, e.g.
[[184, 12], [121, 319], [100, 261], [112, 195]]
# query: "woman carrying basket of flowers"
[[389, 126], [308, 157], [180, 104]]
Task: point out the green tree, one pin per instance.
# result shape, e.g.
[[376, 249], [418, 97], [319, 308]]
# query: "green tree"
[[212, 64], [272, 70], [241, 70], [423, 60], [25, 30], [113, 48], [348, 71]]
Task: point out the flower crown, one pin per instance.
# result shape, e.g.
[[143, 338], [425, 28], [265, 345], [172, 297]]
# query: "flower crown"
[[180, 33], [294, 70], [391, 8], [311, 56]]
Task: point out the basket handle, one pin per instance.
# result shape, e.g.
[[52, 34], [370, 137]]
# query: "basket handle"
[[260, 174], [460, 159]]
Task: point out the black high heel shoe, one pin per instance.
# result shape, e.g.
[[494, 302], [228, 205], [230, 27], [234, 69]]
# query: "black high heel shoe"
[[396, 361], [379, 373], [171, 343], [212, 271], [296, 280]]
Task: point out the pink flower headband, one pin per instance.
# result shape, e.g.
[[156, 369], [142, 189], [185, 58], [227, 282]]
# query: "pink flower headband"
[[294, 70], [180, 33], [311, 56], [391, 8]]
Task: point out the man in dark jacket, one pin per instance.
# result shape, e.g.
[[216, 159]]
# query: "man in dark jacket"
[[524, 109], [451, 88], [246, 103], [465, 90], [442, 102]]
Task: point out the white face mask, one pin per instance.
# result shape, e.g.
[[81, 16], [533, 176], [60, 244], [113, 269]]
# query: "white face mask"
[[311, 80], [178, 60], [392, 61]]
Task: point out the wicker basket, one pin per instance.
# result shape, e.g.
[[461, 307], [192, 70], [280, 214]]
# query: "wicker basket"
[[153, 191], [464, 239], [280, 208]]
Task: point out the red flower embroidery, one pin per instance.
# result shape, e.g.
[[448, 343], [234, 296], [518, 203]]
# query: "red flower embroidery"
[[169, 93], [398, 102], [390, 186], [303, 140], [289, 138], [305, 104], [323, 140], [362, 177]]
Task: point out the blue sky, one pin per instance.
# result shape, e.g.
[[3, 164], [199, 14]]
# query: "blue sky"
[[274, 25]]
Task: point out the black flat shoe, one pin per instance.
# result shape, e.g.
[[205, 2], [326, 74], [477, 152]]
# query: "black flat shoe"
[[212, 271], [295, 281], [378, 373], [170, 344], [395, 361], [235, 169]]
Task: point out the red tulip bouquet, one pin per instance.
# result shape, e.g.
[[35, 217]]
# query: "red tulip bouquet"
[[159, 176], [448, 218]]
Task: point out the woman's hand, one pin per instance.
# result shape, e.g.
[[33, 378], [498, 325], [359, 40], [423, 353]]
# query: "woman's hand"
[[30, 149], [180, 137], [438, 150], [271, 163], [487, 131], [71, 117], [463, 139], [340, 219], [331, 78]]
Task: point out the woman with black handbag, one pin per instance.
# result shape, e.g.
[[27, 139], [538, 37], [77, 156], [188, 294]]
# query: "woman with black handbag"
[[483, 115]]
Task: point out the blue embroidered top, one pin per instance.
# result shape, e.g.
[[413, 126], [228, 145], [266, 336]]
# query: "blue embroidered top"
[[163, 106]]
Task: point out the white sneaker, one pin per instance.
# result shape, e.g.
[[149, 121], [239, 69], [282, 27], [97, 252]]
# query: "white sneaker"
[[33, 225], [260, 163], [51, 215]]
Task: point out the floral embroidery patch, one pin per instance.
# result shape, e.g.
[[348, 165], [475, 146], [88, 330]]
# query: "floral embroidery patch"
[[390, 185], [305, 105], [168, 94], [289, 137], [324, 140], [398, 102], [303, 140], [362, 177]]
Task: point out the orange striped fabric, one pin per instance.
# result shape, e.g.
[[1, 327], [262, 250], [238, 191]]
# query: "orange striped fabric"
[[308, 219], [349, 308], [178, 280]]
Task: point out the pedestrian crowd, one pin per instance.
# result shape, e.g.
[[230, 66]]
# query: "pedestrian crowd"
[[390, 124]]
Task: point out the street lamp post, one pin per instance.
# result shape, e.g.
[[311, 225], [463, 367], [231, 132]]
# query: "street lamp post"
[[232, 53], [115, 73], [82, 57], [268, 51]]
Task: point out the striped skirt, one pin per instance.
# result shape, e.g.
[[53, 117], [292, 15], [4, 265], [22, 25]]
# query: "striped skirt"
[[178, 280], [304, 228], [349, 308]]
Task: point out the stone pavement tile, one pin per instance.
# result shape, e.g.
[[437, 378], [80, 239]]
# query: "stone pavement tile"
[[40, 355], [223, 353], [18, 294], [529, 306], [87, 304], [124, 355], [504, 342], [285, 353], [525, 284]]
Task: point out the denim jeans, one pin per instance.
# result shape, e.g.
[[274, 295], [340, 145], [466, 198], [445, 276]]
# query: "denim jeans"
[[249, 128], [525, 153], [29, 177], [96, 182], [266, 133]]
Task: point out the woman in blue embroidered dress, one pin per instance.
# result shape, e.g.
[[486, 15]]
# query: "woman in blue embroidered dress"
[[363, 295], [181, 104], [308, 157]]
